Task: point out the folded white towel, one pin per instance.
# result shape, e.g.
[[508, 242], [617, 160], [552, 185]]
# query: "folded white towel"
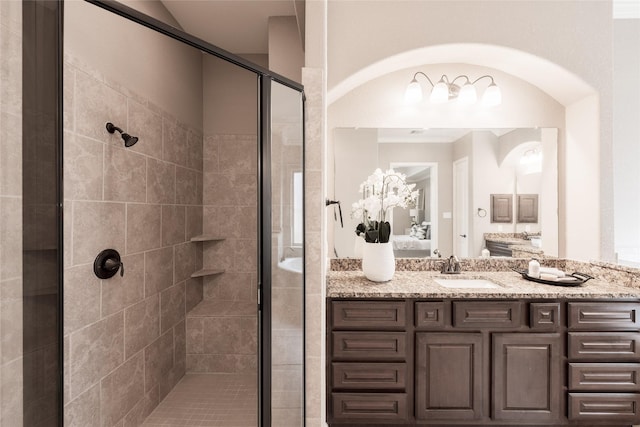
[[552, 271]]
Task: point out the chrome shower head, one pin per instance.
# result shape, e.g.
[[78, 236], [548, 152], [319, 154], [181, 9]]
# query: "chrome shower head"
[[128, 139]]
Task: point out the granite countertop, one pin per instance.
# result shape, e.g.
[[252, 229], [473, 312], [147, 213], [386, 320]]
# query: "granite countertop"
[[515, 243], [420, 284]]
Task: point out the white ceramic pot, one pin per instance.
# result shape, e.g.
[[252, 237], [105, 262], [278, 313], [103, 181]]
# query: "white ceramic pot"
[[358, 247], [378, 262]]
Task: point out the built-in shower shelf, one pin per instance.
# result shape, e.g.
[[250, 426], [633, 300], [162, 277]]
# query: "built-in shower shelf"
[[206, 272], [206, 238]]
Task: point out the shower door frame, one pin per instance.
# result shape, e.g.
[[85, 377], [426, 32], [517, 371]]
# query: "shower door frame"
[[264, 79]]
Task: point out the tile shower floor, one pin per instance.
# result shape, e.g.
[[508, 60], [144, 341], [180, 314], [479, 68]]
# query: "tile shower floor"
[[219, 400]]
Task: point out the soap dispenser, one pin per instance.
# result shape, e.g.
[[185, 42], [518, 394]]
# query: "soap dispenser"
[[534, 269]]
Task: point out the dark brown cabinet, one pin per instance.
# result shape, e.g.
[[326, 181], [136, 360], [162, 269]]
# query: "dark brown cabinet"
[[603, 370], [526, 377], [416, 362], [449, 376], [369, 376]]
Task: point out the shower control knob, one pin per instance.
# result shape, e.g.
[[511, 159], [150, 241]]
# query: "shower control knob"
[[107, 264]]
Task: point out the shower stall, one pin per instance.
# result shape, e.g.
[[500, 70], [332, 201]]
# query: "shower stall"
[[151, 225]]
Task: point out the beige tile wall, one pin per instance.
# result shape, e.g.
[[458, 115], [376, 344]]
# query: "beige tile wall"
[[125, 337], [221, 340], [11, 352], [314, 82]]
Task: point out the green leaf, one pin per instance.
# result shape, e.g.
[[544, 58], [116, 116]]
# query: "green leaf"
[[384, 232]]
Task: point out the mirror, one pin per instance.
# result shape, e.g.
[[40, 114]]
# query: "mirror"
[[456, 172]]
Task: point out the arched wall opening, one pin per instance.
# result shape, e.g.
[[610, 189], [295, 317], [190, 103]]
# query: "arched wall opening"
[[536, 93]]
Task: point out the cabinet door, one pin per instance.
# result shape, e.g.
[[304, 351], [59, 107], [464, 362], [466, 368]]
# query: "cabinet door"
[[448, 376], [526, 377]]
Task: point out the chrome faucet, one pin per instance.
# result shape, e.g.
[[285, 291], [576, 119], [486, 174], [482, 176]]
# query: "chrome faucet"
[[451, 266]]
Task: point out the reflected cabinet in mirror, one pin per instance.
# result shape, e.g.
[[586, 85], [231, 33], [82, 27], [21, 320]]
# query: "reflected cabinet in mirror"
[[456, 172]]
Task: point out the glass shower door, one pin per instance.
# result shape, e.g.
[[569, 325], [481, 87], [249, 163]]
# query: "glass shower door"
[[30, 222], [283, 292]]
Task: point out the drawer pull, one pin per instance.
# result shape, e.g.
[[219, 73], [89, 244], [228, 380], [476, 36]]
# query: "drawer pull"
[[605, 407], [361, 377], [369, 345]]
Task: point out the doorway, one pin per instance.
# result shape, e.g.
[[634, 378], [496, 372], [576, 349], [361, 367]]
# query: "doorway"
[[461, 230]]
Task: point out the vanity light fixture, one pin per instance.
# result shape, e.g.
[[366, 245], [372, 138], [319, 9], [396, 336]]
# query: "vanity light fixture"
[[531, 162], [447, 90], [531, 156]]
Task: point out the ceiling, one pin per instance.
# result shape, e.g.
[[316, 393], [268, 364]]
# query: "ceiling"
[[238, 26]]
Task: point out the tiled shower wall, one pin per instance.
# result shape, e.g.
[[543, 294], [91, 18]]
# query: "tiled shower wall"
[[125, 337], [11, 360], [222, 337]]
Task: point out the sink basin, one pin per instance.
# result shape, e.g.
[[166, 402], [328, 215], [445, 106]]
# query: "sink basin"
[[466, 283]]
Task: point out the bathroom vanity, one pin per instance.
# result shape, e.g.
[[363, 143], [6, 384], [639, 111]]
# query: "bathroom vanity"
[[414, 352]]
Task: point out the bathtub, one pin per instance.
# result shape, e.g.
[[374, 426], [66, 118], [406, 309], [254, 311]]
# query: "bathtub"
[[291, 264]]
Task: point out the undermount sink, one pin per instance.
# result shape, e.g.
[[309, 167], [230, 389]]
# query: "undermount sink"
[[466, 283]]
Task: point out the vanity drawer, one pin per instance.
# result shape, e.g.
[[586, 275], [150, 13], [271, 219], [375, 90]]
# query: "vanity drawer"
[[432, 315], [369, 346], [603, 316], [487, 314], [369, 314], [369, 376], [544, 316], [605, 346], [374, 408], [622, 407], [604, 377]]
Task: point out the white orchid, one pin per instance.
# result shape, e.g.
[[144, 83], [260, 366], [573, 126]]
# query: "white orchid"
[[381, 192]]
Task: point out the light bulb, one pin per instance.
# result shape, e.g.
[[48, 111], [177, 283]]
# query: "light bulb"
[[440, 93], [467, 95], [492, 96], [413, 94]]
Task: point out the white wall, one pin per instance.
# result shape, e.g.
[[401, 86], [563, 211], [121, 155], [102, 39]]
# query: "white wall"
[[286, 56], [582, 186], [350, 143], [137, 57], [626, 132], [230, 95], [380, 103], [538, 28]]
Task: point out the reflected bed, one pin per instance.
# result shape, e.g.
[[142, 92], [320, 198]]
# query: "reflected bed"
[[405, 246]]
